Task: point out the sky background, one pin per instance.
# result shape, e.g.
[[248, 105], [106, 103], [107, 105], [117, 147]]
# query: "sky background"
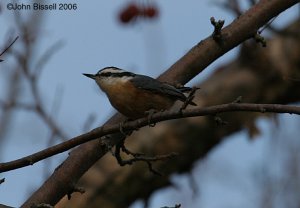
[[93, 38]]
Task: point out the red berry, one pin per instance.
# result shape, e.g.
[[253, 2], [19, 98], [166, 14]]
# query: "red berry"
[[150, 12], [129, 13]]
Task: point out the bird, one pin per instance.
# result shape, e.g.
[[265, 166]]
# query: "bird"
[[134, 95]]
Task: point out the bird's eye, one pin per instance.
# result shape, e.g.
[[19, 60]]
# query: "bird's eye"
[[105, 74]]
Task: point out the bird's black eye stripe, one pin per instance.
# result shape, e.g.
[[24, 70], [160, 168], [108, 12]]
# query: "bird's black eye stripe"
[[115, 74]]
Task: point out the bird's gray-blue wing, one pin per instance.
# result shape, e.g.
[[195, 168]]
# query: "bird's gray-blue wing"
[[155, 86]]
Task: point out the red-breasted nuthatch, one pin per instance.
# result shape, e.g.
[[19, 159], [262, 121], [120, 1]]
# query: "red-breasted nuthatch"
[[133, 94]]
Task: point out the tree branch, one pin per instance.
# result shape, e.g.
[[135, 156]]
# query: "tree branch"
[[208, 50], [132, 125]]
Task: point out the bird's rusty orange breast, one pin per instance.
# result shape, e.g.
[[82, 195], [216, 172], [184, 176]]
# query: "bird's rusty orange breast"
[[133, 102]]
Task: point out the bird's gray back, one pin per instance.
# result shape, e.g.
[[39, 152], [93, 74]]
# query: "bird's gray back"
[[155, 86]]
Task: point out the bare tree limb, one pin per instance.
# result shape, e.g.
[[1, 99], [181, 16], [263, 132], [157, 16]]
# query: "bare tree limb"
[[208, 50], [132, 125]]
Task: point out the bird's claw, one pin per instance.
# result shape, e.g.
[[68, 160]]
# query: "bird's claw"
[[121, 128], [150, 115]]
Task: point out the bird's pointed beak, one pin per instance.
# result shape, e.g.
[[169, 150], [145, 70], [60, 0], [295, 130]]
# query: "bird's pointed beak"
[[92, 76]]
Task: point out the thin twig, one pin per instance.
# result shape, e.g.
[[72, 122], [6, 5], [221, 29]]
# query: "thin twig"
[[136, 157], [7, 48], [190, 98], [219, 121], [217, 35]]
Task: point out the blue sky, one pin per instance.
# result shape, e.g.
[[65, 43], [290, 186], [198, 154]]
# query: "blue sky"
[[93, 38]]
